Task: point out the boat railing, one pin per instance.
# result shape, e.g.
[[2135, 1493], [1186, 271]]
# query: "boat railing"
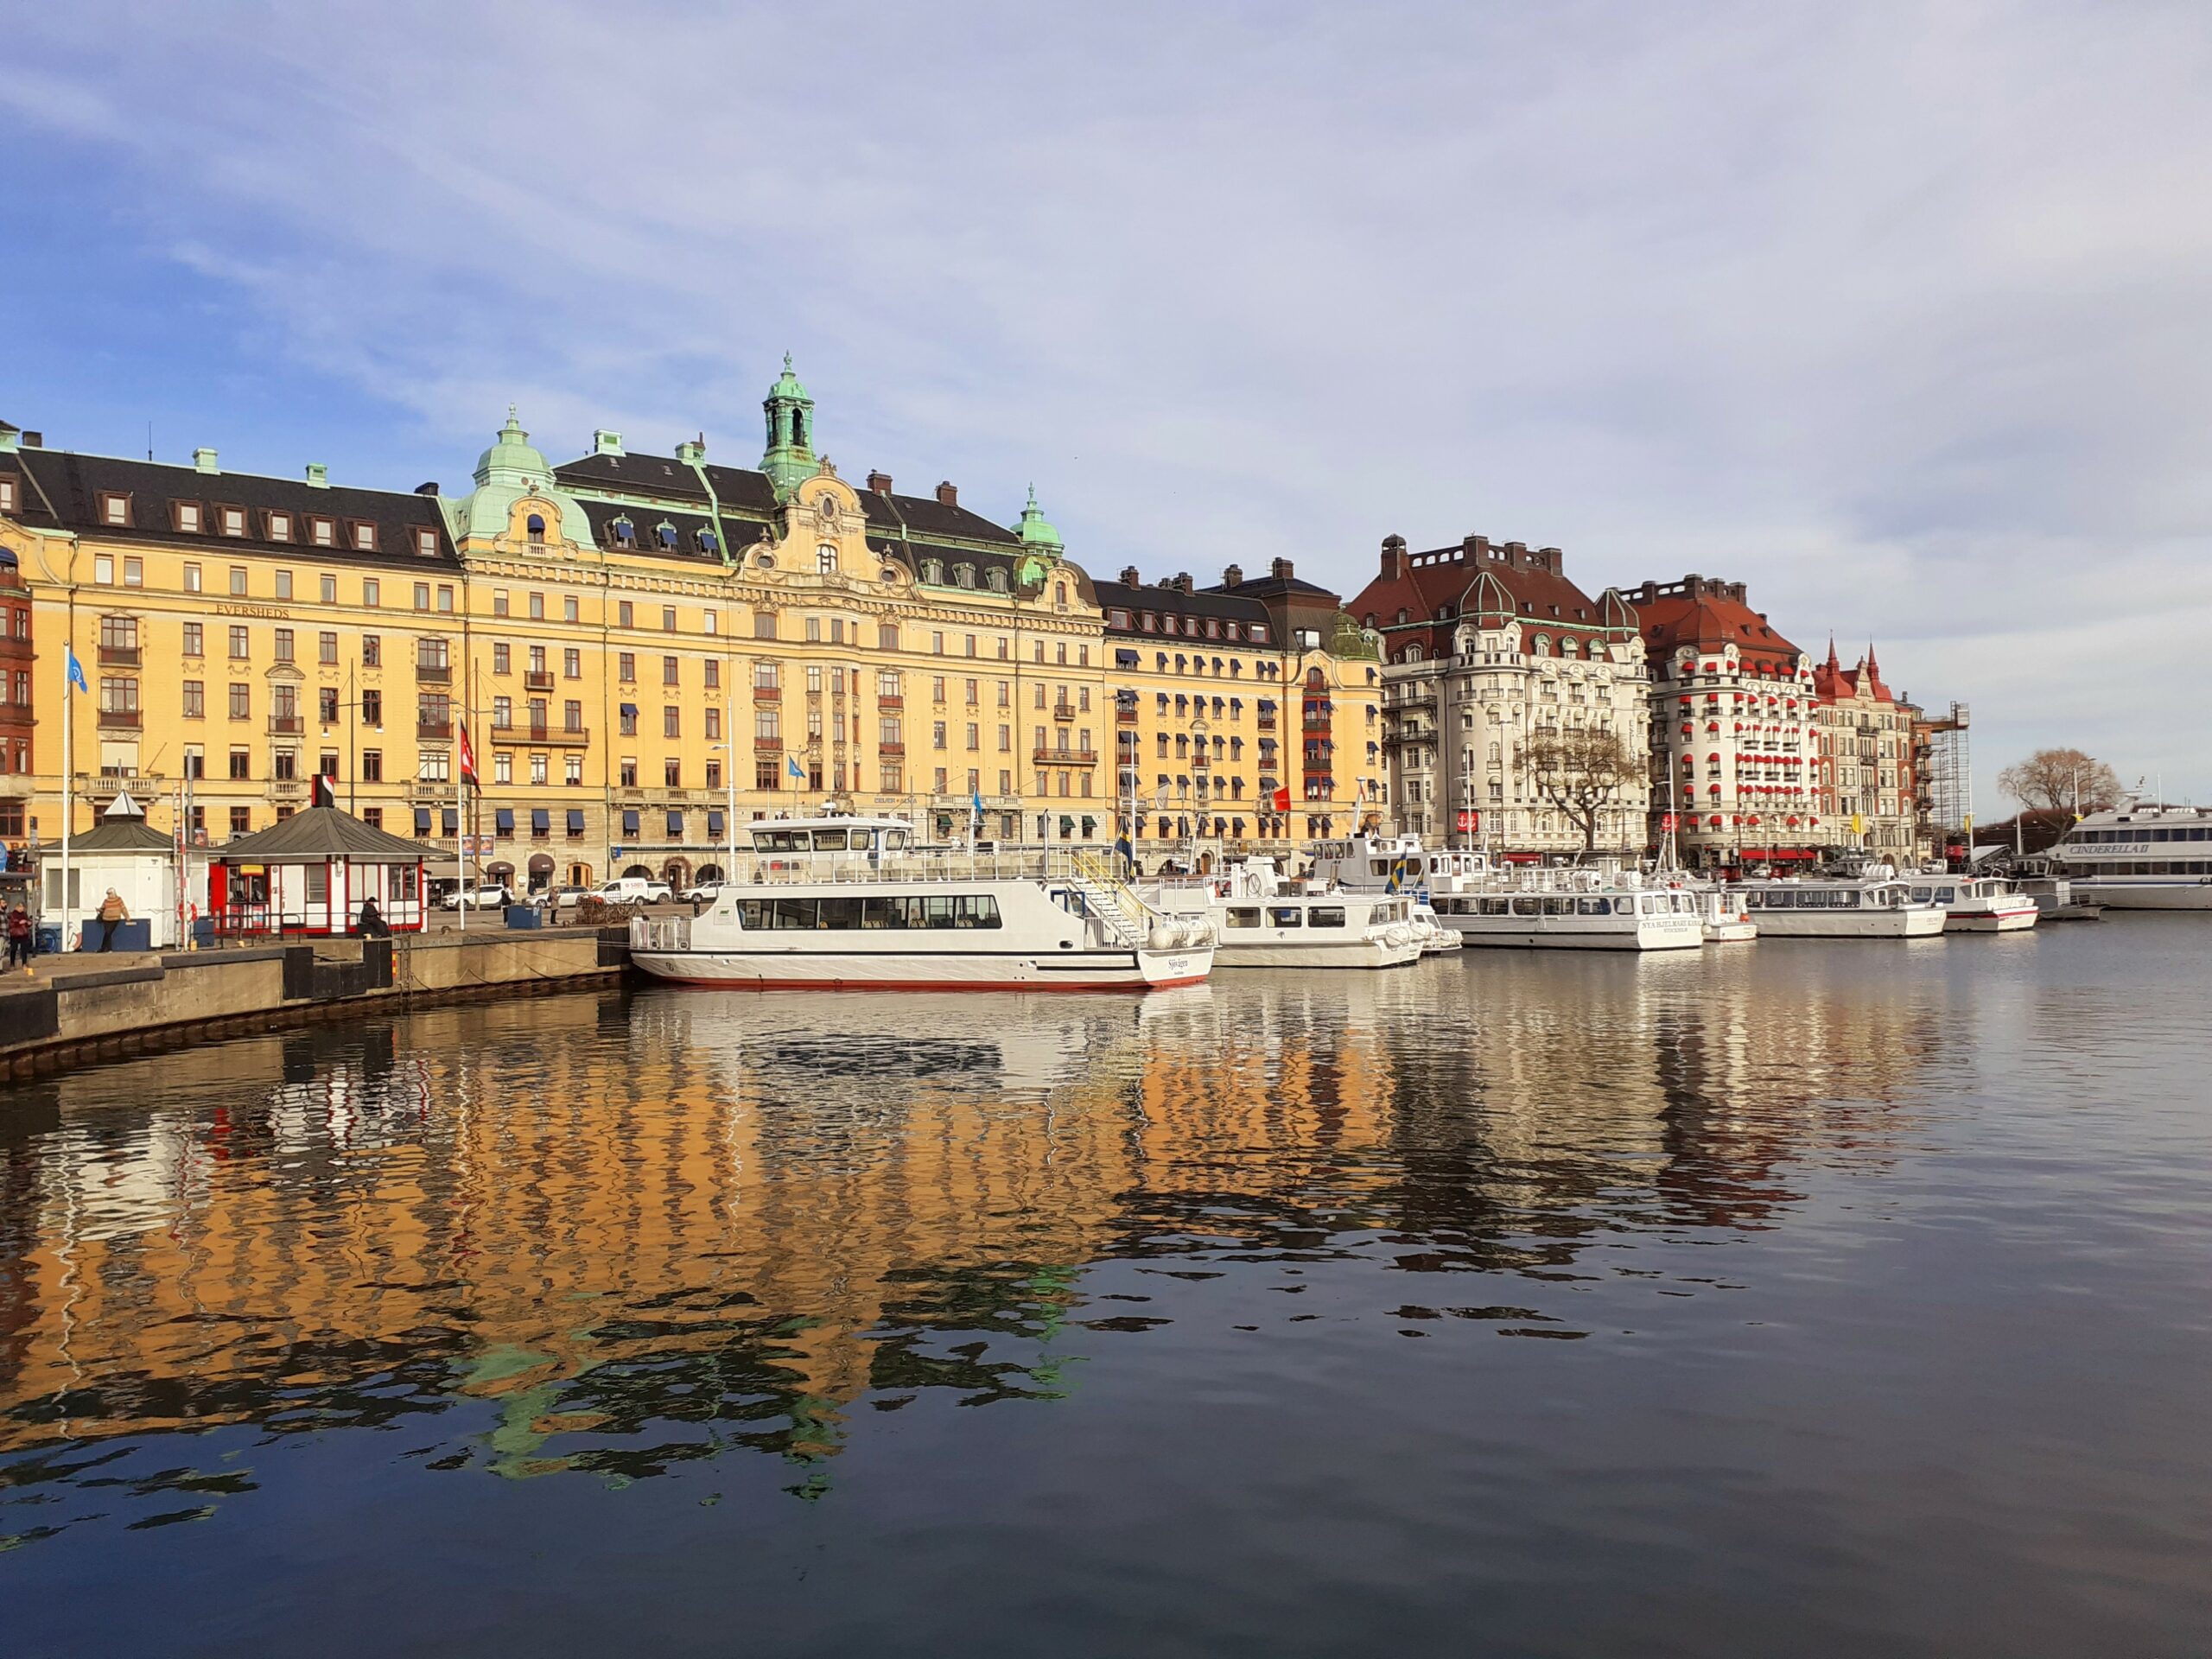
[[885, 869], [660, 933]]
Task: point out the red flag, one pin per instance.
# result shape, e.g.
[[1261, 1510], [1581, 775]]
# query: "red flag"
[[468, 755], [1283, 798]]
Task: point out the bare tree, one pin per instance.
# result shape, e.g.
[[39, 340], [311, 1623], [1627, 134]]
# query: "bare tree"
[[2048, 780], [1578, 770]]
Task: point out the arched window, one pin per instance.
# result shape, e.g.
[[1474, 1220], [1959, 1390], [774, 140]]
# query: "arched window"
[[933, 571], [798, 429], [825, 559], [1060, 594], [665, 533], [995, 580], [708, 541], [534, 526], [963, 575], [626, 533]]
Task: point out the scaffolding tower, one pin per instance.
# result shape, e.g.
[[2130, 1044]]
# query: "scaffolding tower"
[[1948, 777]]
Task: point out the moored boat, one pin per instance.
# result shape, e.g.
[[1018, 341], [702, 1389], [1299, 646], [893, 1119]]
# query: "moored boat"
[[2138, 856], [839, 903], [1837, 908], [1259, 921], [1975, 903]]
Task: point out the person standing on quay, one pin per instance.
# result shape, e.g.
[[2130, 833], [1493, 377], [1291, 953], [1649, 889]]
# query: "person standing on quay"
[[19, 937], [113, 913]]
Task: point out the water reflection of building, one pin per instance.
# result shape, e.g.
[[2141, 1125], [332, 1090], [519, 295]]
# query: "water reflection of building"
[[646, 1230]]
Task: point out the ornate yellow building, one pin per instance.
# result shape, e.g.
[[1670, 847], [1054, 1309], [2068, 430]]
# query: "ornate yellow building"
[[626, 639]]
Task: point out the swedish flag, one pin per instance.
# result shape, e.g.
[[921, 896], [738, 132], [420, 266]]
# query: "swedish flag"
[[1126, 851]]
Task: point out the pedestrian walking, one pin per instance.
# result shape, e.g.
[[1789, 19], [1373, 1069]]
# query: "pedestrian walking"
[[113, 913], [19, 937]]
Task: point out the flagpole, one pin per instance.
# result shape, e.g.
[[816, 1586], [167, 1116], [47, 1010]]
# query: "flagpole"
[[71, 673]]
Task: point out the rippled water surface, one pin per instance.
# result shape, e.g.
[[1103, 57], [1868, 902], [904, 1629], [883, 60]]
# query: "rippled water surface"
[[1798, 1298]]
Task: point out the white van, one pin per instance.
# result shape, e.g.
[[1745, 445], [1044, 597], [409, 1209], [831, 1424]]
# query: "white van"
[[632, 890]]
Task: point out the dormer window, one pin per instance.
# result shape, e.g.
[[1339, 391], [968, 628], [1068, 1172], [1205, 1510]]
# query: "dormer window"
[[7, 493], [1259, 633], [933, 572], [534, 528], [426, 542], [963, 575], [996, 581], [280, 526], [664, 533], [708, 541], [323, 532], [625, 533], [187, 515], [115, 510], [364, 538]]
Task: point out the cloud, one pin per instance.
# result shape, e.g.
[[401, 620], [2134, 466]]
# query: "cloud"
[[1893, 310]]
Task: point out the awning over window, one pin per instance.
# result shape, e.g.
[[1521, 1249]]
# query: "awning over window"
[[504, 816], [541, 820], [629, 821], [631, 709], [713, 823], [675, 826], [452, 815], [421, 820], [1125, 659], [575, 821]]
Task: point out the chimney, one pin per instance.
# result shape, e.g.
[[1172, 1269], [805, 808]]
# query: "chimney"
[[1517, 552], [947, 496], [604, 443], [880, 482], [1183, 582], [34, 440], [1479, 545], [1394, 556], [203, 461], [1551, 558], [1233, 577], [690, 453], [1130, 578], [426, 489], [1281, 570], [318, 475]]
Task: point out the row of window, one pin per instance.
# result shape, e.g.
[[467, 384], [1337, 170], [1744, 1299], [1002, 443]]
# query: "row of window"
[[2144, 833], [117, 511], [1193, 627], [893, 912]]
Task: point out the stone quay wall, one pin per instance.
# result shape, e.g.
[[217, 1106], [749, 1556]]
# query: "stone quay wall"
[[65, 1019]]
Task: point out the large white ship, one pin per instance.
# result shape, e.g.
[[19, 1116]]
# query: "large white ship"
[[2138, 857], [852, 904]]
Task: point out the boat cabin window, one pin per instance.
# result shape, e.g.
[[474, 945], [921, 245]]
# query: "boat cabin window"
[[1243, 916], [1497, 907], [1327, 916], [1526, 908], [1596, 907], [897, 911], [1284, 916], [829, 841]]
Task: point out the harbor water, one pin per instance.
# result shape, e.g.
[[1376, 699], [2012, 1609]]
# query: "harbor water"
[[1814, 1297]]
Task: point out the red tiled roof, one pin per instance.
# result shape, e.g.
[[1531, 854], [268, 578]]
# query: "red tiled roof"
[[1478, 579]]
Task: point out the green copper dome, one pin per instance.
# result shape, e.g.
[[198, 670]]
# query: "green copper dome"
[[789, 458], [511, 460], [1035, 530], [506, 472]]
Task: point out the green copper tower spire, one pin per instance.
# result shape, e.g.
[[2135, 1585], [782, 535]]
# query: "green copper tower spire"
[[791, 432], [1035, 530]]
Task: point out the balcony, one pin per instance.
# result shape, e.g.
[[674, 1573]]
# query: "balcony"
[[288, 789], [119, 656], [439, 731], [1066, 757], [768, 746], [542, 736], [1063, 711], [287, 725], [433, 673], [767, 694], [120, 720], [1125, 716], [890, 702], [538, 679], [892, 751], [1267, 722]]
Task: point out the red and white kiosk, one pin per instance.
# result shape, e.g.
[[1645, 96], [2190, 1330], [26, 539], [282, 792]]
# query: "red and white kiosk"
[[310, 872]]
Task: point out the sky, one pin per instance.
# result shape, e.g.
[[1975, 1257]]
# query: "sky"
[[1897, 311]]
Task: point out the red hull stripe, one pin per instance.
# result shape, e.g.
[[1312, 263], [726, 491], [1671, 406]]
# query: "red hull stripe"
[[925, 984]]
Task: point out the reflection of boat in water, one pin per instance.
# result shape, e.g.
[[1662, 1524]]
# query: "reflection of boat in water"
[[843, 903]]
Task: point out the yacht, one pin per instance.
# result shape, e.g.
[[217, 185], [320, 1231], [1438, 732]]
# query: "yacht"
[[1397, 864], [1721, 916], [1975, 903], [2137, 856], [1260, 920], [1436, 939], [1842, 907], [854, 903]]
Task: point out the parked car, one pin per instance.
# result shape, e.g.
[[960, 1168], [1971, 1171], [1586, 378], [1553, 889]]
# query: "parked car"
[[632, 890], [569, 898], [701, 893], [493, 897]]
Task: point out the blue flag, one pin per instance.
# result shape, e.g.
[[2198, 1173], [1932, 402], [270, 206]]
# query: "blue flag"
[[76, 672], [798, 770], [975, 803]]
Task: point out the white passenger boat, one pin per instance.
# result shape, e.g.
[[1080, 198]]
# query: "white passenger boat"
[[1373, 863], [2138, 857], [1436, 939], [1556, 914], [1843, 908], [1975, 904], [851, 903], [1259, 921], [1722, 917]]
